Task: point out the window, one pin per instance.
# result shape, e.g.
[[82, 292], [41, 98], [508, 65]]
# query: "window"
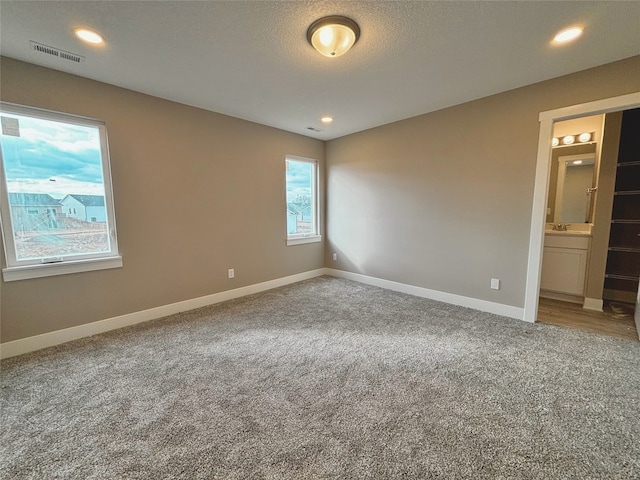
[[51, 163], [302, 200]]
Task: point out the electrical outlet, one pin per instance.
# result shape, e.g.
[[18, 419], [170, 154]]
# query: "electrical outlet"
[[335, 257], [231, 273], [495, 284]]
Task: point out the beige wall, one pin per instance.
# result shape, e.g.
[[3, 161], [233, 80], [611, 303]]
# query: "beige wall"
[[195, 193], [443, 201]]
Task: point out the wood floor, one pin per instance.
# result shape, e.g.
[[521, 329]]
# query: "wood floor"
[[616, 320]]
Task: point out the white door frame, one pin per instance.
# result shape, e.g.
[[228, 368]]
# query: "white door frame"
[[541, 186]]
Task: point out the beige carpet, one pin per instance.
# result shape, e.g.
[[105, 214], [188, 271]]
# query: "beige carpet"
[[325, 379]]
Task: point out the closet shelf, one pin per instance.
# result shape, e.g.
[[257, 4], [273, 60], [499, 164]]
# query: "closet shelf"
[[622, 277], [624, 249], [627, 192], [626, 221]]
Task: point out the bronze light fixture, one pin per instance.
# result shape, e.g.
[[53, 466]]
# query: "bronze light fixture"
[[334, 35]]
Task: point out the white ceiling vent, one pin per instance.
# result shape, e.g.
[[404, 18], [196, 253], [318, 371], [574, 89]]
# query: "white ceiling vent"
[[56, 52], [315, 129]]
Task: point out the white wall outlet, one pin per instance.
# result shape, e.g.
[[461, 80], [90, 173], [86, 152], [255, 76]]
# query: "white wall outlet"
[[495, 284], [335, 257], [231, 273]]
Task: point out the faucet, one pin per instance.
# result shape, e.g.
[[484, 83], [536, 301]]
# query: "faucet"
[[560, 226]]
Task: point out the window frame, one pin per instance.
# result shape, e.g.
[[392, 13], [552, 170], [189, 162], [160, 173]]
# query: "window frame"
[[35, 268], [316, 235]]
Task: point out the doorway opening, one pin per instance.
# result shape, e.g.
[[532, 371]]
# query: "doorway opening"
[[542, 184]]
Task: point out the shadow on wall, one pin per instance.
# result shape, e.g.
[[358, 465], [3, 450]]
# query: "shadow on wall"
[[353, 198]]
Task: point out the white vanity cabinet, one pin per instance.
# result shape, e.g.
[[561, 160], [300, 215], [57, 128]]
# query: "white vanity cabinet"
[[564, 263]]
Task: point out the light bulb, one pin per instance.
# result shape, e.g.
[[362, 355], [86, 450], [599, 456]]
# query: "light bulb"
[[584, 137]]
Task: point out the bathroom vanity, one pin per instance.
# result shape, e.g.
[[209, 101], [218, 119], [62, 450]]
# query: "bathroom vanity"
[[564, 264]]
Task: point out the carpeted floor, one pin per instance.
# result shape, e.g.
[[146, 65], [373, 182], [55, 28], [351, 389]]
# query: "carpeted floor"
[[325, 379]]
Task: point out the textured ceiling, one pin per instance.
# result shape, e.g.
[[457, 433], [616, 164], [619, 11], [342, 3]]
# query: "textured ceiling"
[[251, 59]]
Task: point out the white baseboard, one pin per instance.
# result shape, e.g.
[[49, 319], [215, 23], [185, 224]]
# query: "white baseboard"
[[482, 305], [37, 342], [564, 297], [592, 304]]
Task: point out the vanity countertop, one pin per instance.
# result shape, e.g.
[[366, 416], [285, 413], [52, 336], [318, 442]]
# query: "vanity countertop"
[[568, 233], [572, 229]]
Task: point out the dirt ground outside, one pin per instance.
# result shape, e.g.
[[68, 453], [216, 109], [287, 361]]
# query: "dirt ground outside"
[[78, 238]]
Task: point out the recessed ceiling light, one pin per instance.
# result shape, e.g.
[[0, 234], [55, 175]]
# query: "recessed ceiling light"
[[89, 36], [568, 34], [326, 120]]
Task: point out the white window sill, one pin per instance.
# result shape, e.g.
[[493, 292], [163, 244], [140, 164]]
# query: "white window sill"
[[63, 268], [301, 240]]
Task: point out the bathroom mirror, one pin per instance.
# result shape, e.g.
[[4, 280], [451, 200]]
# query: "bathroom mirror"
[[572, 186]]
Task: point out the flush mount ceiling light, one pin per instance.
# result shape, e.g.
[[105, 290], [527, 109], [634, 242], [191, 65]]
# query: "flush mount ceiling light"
[[326, 119], [332, 36], [567, 35], [88, 36]]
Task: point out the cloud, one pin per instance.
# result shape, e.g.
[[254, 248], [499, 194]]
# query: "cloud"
[[46, 149], [299, 177], [67, 138], [57, 189]]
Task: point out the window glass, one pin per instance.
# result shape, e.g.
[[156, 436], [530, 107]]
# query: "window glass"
[[56, 203], [302, 197]]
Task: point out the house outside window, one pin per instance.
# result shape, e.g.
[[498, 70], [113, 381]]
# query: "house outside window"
[[52, 164], [302, 200]]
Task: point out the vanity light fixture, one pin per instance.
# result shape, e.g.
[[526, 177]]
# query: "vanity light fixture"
[[565, 141], [334, 35], [577, 162], [89, 36]]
